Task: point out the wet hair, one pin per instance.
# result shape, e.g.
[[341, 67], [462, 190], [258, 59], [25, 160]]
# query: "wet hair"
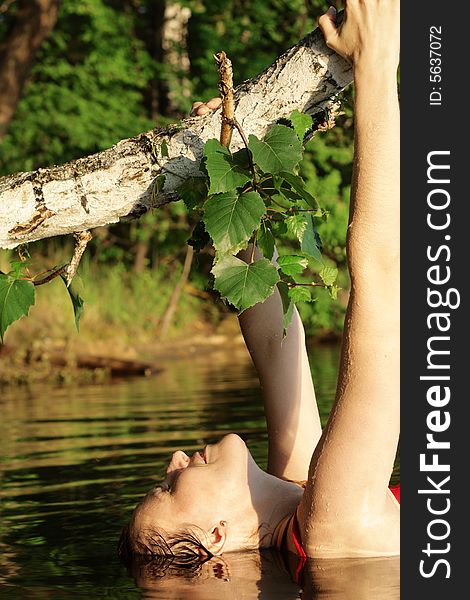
[[160, 552]]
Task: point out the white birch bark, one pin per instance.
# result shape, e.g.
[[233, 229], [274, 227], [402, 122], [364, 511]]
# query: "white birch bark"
[[175, 51], [118, 183]]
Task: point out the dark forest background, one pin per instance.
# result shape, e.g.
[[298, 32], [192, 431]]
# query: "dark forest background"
[[78, 76]]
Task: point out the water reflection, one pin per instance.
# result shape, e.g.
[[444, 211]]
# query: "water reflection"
[[75, 461], [267, 575]]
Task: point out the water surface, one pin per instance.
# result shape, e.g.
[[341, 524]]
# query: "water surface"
[[75, 461]]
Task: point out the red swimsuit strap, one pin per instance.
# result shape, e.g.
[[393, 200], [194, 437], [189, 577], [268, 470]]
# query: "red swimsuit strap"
[[395, 489]]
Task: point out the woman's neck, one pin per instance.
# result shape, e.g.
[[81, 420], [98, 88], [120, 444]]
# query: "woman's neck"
[[273, 499]]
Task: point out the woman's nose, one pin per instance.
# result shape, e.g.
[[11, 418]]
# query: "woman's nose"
[[179, 460]]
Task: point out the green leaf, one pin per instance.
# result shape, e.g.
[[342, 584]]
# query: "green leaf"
[[297, 183], [333, 291], [225, 171], [231, 218], [74, 290], [292, 264], [280, 199], [265, 240], [164, 149], [296, 226], [301, 293], [17, 268], [280, 150], [328, 275], [301, 123], [242, 284], [309, 243], [279, 227], [287, 304], [240, 158], [16, 298], [193, 192]]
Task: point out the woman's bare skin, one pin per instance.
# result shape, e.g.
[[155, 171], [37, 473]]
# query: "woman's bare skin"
[[346, 510]]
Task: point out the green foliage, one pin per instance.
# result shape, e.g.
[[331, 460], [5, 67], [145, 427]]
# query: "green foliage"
[[85, 91], [16, 298], [245, 284], [280, 150], [75, 291], [231, 219], [193, 191], [301, 123], [253, 33], [101, 76], [292, 264], [259, 200], [225, 170], [310, 240]]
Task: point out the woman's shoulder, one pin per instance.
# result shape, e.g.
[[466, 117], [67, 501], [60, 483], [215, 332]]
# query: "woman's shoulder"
[[341, 536]]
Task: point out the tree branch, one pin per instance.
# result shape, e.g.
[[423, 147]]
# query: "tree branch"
[[117, 183]]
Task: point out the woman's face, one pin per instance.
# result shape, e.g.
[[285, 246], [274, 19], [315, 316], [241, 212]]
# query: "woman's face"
[[203, 490]]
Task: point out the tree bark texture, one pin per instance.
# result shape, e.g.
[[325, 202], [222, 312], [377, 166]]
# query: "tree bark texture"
[[34, 22], [175, 52], [121, 182]]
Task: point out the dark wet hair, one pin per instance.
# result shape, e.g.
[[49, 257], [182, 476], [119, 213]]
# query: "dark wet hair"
[[159, 551]]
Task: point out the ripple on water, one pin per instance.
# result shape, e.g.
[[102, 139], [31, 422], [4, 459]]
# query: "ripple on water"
[[76, 460]]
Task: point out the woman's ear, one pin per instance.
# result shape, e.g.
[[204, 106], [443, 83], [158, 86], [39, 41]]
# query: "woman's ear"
[[217, 536]]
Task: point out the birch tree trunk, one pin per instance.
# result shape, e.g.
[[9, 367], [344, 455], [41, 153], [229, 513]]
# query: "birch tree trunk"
[[175, 52], [120, 182]]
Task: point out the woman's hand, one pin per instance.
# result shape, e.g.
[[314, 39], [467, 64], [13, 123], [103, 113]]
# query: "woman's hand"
[[202, 108], [369, 35]]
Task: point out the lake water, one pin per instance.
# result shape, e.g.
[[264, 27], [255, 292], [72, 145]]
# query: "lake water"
[[75, 461]]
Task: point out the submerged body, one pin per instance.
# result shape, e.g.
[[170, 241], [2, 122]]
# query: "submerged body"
[[219, 500]]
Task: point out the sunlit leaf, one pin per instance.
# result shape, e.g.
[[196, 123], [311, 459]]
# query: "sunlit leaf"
[[17, 267], [16, 298], [280, 150], [292, 264], [333, 291], [296, 226], [301, 293], [225, 171], [301, 123], [328, 275], [242, 284], [231, 218]]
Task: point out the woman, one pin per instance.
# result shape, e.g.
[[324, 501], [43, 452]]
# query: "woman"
[[220, 500]]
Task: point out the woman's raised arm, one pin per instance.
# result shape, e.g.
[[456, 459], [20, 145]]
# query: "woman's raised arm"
[[284, 372], [347, 509]]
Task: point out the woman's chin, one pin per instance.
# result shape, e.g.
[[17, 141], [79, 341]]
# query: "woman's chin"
[[232, 448]]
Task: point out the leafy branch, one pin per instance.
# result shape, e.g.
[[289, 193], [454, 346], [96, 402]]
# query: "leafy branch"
[[17, 287], [256, 196]]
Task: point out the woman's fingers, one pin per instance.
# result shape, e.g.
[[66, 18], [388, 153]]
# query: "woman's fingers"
[[327, 24], [369, 33], [202, 108], [214, 103]]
